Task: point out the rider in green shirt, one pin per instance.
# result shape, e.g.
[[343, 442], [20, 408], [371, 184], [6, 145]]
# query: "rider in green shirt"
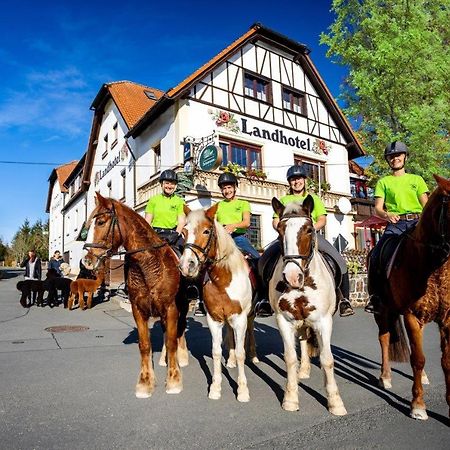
[[164, 212], [399, 199]]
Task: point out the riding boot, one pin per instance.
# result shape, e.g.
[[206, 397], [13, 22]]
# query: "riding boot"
[[345, 307], [373, 305]]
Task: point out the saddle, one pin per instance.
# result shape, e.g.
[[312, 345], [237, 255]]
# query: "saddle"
[[388, 253]]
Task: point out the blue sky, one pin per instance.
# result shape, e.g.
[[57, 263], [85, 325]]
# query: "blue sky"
[[55, 56]]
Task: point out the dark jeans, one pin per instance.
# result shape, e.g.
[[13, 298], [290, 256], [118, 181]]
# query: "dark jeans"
[[243, 243]]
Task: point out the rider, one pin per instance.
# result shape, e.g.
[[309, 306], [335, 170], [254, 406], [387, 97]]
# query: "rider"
[[296, 177], [399, 199], [164, 212]]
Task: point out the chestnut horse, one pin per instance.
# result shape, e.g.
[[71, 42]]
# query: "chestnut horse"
[[227, 292], [419, 288], [303, 297], [153, 286]]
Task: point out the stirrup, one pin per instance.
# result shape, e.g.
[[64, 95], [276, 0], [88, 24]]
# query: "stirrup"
[[345, 308]]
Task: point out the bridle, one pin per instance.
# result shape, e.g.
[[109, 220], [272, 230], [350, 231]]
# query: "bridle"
[[201, 253], [295, 258], [108, 253]]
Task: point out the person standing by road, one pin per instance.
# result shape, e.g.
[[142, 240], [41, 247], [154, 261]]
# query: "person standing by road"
[[55, 263], [33, 267]]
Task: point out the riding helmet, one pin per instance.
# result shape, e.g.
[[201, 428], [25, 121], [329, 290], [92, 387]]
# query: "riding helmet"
[[227, 178], [394, 148], [296, 171], [168, 175]]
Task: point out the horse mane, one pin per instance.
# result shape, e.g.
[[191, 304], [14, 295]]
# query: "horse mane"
[[294, 208], [228, 253]]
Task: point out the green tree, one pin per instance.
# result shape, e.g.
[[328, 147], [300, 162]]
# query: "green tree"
[[3, 250], [30, 237], [398, 85]]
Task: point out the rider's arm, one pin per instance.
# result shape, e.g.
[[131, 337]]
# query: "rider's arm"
[[423, 198], [181, 223], [149, 218], [380, 212], [320, 223], [244, 223]]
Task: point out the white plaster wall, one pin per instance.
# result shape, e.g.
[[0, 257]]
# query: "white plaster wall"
[[55, 219]]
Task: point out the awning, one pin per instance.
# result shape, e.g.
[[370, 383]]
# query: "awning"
[[372, 222]]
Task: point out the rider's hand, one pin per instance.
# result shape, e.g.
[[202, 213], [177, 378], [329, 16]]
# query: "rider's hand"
[[392, 217], [230, 228]]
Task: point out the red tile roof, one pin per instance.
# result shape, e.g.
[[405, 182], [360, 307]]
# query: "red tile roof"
[[62, 172], [132, 100]]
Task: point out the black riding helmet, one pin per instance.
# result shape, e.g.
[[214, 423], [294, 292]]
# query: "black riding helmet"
[[168, 175], [394, 148], [296, 171], [227, 178]]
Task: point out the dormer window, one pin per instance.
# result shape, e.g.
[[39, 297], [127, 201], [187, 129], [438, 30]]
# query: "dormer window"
[[105, 143], [115, 135], [257, 87], [151, 95]]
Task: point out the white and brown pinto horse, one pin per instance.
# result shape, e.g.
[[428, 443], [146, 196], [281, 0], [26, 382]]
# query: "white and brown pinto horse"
[[302, 295], [227, 293]]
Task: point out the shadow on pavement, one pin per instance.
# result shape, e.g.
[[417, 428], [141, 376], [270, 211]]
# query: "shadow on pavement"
[[6, 274]]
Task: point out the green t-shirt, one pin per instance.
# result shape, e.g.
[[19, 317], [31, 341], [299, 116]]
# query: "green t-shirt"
[[401, 194], [165, 210], [232, 212], [318, 210]]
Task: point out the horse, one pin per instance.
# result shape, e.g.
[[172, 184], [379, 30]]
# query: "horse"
[[80, 286], [303, 297], [153, 286], [418, 288], [227, 292]]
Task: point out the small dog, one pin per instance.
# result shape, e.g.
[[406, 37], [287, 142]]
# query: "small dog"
[[32, 291]]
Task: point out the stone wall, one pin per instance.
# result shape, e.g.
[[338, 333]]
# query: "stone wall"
[[358, 289]]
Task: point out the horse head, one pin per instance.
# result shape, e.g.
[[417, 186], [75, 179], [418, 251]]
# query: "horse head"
[[433, 228], [107, 237], [200, 242], [297, 237]]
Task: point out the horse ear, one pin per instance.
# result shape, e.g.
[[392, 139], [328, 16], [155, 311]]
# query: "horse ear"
[[277, 206], [308, 204], [186, 210], [99, 200], [443, 183], [211, 212]]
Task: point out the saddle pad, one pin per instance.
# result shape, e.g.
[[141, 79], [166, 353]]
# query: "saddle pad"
[[389, 252]]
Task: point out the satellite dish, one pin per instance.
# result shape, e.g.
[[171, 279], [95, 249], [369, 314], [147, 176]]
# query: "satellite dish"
[[344, 205]]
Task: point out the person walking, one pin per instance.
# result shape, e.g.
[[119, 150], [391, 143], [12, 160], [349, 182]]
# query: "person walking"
[[33, 267], [399, 199]]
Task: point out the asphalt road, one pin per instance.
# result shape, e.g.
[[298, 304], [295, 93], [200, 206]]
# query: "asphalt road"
[[75, 390]]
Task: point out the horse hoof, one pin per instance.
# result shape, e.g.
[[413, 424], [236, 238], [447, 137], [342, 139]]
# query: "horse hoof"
[[174, 390], [385, 383], [303, 375], [243, 397], [162, 362], [419, 414], [231, 364], [183, 362], [338, 411], [143, 393], [290, 406], [214, 395], [255, 360]]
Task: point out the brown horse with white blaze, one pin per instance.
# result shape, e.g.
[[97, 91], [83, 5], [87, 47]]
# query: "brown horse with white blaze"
[[419, 288], [153, 286]]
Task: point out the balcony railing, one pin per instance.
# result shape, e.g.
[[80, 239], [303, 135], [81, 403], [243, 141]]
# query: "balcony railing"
[[261, 191]]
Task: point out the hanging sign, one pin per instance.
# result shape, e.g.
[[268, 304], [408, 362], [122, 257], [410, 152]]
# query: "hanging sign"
[[210, 158]]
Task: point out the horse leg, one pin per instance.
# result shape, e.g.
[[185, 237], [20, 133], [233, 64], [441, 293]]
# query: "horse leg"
[[250, 343], [239, 324], [182, 351], [216, 334], [230, 342], [174, 382], [385, 380], [444, 330], [162, 359], [290, 400], [146, 379], [335, 403], [415, 332], [305, 364]]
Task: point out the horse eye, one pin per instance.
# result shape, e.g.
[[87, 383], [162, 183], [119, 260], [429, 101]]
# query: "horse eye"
[[100, 222], [207, 231]]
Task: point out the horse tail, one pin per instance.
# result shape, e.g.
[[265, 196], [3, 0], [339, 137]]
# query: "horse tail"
[[398, 345]]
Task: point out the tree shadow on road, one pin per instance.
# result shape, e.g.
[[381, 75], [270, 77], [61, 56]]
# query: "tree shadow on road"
[[10, 273]]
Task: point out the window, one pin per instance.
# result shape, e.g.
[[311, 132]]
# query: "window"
[[254, 231], [151, 95], [257, 87], [294, 101], [157, 157], [245, 155], [123, 174], [105, 149], [115, 135], [314, 169]]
